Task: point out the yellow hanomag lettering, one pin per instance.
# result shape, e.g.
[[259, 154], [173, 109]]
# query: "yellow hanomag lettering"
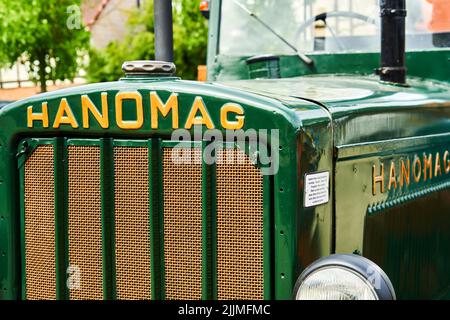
[[232, 108], [417, 169], [43, 116], [427, 165], [157, 105], [88, 106], [392, 177], [127, 124], [437, 165], [65, 115], [405, 172], [204, 119], [377, 179], [447, 162]]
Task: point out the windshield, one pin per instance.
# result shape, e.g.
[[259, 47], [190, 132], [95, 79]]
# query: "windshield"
[[325, 25]]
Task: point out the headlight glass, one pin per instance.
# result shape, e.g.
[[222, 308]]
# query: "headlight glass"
[[335, 283]]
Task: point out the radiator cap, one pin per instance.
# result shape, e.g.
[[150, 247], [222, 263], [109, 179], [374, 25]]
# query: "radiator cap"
[[148, 68]]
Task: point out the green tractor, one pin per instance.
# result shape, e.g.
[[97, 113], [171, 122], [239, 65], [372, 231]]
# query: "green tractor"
[[313, 164]]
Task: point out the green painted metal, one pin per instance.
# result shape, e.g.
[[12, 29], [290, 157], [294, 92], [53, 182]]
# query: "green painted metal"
[[226, 68], [415, 235], [22, 229], [355, 162], [405, 229], [268, 238], [213, 181], [108, 219], [353, 151], [61, 215], [160, 205], [314, 225], [206, 228], [155, 191]]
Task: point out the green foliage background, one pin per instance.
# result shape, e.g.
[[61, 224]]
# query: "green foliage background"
[[36, 32], [190, 42]]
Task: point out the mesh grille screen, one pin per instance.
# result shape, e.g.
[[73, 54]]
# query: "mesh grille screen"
[[239, 227], [40, 225], [182, 184], [132, 223], [85, 221]]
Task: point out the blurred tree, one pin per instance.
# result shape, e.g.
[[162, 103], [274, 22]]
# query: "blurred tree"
[[46, 35], [190, 41]]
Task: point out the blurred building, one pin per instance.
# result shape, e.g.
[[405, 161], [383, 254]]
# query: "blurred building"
[[107, 19]]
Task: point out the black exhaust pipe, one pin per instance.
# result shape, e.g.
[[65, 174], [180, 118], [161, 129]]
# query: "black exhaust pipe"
[[163, 30], [393, 66]]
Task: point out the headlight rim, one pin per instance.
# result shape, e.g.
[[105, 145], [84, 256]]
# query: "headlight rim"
[[353, 263]]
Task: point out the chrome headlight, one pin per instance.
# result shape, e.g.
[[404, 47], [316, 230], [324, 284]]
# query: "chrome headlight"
[[343, 277]]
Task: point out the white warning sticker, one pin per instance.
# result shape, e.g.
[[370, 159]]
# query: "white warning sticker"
[[317, 189]]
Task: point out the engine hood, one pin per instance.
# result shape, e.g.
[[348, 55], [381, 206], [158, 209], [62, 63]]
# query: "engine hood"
[[334, 90], [143, 107], [362, 108]]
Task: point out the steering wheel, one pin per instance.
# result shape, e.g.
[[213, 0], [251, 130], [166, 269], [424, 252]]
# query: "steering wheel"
[[333, 14]]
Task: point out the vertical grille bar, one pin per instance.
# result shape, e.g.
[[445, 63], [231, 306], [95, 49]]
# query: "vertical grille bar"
[[155, 190], [107, 187], [39, 223], [85, 222], [132, 223], [207, 171], [61, 237], [182, 184], [240, 224]]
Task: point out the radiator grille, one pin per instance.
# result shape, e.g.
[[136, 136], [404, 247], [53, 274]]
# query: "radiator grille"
[[132, 223], [182, 185], [229, 229], [85, 221], [40, 225], [239, 228]]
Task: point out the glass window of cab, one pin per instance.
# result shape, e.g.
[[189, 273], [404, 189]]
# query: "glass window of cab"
[[325, 26]]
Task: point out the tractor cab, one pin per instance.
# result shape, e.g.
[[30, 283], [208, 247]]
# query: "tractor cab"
[[323, 37]]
